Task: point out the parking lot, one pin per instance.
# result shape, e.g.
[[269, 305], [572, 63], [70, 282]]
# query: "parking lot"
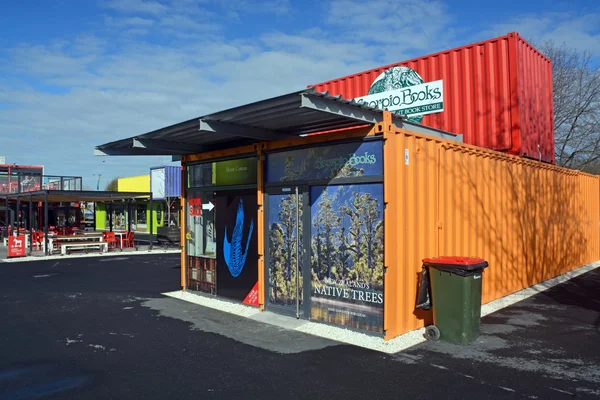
[[98, 328]]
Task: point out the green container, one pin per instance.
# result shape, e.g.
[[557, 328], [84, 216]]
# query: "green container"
[[456, 302]]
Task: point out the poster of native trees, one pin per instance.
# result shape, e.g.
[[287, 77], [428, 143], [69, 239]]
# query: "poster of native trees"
[[282, 250], [347, 255], [345, 258]]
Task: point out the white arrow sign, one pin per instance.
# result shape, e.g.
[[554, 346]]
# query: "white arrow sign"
[[208, 206]]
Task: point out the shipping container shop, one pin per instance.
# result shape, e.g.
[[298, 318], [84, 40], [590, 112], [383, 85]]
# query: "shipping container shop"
[[496, 93], [333, 227], [164, 182]]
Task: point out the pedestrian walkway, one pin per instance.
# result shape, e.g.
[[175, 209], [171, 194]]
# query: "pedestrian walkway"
[[356, 338], [543, 347]]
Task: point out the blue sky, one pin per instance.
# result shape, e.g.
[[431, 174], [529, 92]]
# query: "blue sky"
[[75, 74]]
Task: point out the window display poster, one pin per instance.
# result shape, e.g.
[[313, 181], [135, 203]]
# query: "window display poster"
[[347, 255], [200, 235], [347, 160], [237, 243], [235, 172]]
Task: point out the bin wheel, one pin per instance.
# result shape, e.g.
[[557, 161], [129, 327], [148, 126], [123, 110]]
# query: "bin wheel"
[[432, 333]]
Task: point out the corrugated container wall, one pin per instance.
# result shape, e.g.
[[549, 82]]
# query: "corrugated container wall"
[[165, 181], [497, 93], [531, 221]]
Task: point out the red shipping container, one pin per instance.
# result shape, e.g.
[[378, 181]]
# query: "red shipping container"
[[496, 93]]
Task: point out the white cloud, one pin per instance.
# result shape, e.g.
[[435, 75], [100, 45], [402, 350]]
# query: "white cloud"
[[127, 86], [123, 85], [136, 6], [47, 61], [279, 7], [580, 31], [395, 27], [184, 24], [129, 22]]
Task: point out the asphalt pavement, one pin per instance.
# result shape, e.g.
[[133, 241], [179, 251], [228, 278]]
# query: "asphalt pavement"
[[98, 328]]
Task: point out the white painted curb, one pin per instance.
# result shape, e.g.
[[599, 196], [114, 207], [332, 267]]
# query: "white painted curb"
[[339, 334], [71, 256]]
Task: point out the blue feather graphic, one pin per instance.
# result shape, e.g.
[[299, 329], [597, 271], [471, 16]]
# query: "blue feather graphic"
[[232, 251]]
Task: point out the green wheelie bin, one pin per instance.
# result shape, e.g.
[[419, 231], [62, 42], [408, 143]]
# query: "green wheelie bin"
[[456, 298]]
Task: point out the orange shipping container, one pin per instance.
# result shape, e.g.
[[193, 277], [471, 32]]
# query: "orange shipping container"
[[497, 93], [531, 221]]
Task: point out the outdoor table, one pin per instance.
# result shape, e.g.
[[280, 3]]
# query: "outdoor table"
[[121, 235]]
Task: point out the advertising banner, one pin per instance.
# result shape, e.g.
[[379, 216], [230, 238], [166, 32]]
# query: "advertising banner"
[[16, 246], [241, 171], [237, 243], [402, 90], [326, 162], [235, 172], [347, 255], [426, 98]]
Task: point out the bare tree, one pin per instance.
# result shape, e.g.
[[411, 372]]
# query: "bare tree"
[[170, 201], [576, 81]]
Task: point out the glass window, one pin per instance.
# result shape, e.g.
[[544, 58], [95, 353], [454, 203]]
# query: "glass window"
[[200, 236], [200, 175], [201, 244], [347, 160], [140, 219], [241, 171], [119, 217]]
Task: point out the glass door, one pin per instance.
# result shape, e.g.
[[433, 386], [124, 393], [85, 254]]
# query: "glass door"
[[286, 249]]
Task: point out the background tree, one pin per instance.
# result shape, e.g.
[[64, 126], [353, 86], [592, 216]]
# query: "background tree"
[[576, 83], [282, 242], [113, 185], [324, 247]]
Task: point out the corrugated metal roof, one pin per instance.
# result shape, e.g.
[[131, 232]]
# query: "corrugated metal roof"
[[291, 115]]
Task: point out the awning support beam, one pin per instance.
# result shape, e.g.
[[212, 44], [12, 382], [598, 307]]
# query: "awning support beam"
[[228, 129], [130, 151], [340, 109], [170, 147]]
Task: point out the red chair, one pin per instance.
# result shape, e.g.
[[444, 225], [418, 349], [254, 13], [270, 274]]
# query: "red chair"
[[110, 238], [37, 239], [128, 241]]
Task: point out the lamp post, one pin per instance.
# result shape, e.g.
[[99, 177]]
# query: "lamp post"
[[98, 174]]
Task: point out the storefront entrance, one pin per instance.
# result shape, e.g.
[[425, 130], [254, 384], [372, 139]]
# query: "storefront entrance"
[[221, 228], [324, 234], [287, 258]]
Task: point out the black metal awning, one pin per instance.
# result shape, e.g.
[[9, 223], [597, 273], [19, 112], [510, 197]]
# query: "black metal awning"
[[288, 116]]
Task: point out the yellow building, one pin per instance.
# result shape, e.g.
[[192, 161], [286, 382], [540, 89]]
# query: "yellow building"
[[139, 183], [140, 208]]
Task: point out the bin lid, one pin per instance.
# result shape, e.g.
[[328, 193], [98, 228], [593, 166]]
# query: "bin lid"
[[456, 264], [454, 260]]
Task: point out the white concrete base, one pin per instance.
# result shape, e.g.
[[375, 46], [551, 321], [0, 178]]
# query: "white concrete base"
[[339, 334], [511, 299], [92, 254]]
